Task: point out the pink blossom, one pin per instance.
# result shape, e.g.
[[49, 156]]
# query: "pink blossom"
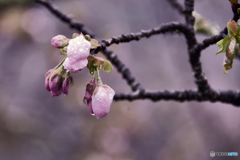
[[78, 50], [59, 41], [74, 65], [101, 100]]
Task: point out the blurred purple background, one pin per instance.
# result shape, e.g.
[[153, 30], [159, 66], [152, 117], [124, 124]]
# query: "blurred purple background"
[[35, 126]]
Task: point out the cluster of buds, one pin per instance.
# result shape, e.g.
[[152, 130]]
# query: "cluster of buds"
[[228, 45], [76, 52], [58, 81]]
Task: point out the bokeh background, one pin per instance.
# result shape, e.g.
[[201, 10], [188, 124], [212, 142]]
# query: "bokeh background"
[[35, 126]]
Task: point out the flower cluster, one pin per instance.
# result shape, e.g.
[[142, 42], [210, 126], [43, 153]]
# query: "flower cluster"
[[58, 81], [76, 52], [228, 45]]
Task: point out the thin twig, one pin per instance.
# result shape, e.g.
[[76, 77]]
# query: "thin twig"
[[177, 6], [124, 38]]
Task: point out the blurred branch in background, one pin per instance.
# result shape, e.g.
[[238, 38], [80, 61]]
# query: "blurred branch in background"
[[4, 4]]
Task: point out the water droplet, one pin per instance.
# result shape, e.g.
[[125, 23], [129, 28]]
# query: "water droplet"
[[92, 114]]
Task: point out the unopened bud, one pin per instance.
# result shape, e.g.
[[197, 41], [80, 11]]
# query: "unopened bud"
[[59, 41]]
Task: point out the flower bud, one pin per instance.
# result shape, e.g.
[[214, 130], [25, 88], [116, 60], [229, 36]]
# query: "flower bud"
[[101, 100], [54, 82], [59, 41], [88, 94], [56, 93], [66, 84], [47, 76], [232, 27]]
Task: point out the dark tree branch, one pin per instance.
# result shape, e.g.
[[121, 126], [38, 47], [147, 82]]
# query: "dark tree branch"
[[189, 7], [210, 41], [194, 55], [124, 38], [229, 97]]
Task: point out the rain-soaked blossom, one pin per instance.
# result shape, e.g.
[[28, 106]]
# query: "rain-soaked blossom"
[[101, 100], [78, 50]]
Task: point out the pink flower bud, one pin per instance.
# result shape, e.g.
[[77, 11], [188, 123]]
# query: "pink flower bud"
[[56, 93], [88, 94], [47, 76], [77, 52], [101, 100], [59, 41], [66, 84], [54, 81]]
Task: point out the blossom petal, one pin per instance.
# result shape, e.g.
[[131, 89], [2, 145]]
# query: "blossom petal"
[[78, 48], [102, 100], [75, 65], [90, 108]]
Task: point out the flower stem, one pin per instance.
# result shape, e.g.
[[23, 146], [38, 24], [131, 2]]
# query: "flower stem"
[[98, 77], [93, 76], [60, 64]]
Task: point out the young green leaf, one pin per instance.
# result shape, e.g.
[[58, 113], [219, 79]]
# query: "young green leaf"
[[223, 44], [107, 66], [94, 43], [230, 54]]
